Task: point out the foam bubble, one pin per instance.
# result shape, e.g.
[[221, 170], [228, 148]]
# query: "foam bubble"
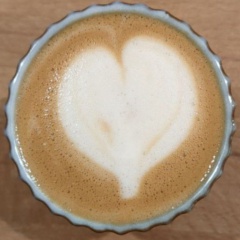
[[128, 115]]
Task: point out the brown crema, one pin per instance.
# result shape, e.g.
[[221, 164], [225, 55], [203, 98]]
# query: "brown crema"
[[71, 179]]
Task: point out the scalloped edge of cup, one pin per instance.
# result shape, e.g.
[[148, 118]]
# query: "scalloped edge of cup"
[[224, 85]]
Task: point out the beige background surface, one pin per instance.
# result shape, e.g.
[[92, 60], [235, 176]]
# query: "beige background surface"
[[23, 218]]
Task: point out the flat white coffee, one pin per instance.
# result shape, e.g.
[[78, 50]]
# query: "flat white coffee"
[[125, 115], [119, 118]]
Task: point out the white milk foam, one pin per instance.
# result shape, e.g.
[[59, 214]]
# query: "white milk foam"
[[128, 116]]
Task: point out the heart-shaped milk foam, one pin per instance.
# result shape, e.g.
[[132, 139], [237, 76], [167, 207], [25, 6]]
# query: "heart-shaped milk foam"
[[128, 115]]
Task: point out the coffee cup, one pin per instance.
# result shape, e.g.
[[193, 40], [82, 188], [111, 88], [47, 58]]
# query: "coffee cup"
[[120, 117]]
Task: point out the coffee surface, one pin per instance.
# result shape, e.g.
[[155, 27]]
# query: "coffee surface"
[[119, 118]]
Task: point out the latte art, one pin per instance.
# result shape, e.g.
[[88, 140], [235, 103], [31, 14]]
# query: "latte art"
[[119, 118], [124, 114]]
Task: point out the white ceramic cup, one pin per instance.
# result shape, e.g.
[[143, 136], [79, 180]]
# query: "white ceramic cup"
[[162, 16]]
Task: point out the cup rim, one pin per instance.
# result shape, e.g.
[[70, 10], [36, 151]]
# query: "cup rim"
[[224, 83]]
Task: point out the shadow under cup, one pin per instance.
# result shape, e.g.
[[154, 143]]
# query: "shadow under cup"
[[22, 163]]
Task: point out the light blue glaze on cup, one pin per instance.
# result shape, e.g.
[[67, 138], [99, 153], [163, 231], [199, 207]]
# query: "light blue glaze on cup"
[[224, 83]]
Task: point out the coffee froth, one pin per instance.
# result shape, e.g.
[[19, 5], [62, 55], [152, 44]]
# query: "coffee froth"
[[125, 115], [123, 118]]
